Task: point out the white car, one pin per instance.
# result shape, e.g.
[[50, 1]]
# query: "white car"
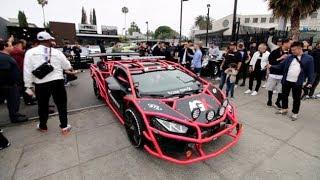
[[93, 49]]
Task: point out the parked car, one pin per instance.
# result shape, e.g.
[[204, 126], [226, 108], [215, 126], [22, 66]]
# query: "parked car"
[[166, 109], [93, 49]]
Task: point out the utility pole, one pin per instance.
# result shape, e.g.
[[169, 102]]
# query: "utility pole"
[[181, 19], [147, 31], [234, 20], [208, 22]]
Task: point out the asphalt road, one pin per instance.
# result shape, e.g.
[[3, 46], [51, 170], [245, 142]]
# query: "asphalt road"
[[272, 147]]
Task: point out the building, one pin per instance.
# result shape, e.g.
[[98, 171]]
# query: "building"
[[62, 36], [252, 24]]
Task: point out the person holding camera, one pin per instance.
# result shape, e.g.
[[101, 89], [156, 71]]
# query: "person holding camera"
[[43, 69]]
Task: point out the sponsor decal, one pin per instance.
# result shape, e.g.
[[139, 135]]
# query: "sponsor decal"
[[214, 91], [196, 104], [179, 91], [155, 107]]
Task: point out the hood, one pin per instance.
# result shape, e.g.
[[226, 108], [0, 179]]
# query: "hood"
[[183, 107]]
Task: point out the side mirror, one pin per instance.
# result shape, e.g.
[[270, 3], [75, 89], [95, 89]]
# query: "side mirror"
[[113, 84]]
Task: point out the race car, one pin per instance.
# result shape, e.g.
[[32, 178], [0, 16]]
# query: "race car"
[[166, 109]]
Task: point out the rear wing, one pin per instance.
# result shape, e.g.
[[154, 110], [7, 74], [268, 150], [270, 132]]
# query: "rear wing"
[[106, 55]]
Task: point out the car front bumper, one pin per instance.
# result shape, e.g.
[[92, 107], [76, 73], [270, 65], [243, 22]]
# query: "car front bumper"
[[233, 130]]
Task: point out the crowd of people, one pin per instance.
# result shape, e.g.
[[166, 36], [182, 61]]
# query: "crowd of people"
[[36, 73], [286, 66]]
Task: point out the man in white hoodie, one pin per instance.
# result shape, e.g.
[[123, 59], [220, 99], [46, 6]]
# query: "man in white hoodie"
[[257, 67]]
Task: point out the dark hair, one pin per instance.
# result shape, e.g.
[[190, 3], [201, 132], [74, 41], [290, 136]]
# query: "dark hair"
[[297, 44], [190, 41], [17, 42], [285, 40], [3, 44]]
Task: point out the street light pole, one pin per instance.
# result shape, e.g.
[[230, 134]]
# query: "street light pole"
[[147, 31], [208, 21], [44, 18], [181, 19], [234, 20]]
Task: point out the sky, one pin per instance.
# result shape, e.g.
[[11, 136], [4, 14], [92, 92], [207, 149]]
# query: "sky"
[[156, 12]]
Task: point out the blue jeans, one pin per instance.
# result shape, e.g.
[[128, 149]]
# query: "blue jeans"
[[230, 88], [223, 78]]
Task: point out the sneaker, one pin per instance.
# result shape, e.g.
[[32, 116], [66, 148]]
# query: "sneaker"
[[66, 130], [41, 130], [278, 105], [282, 112], [5, 146], [294, 117], [248, 91], [236, 86], [264, 86], [1, 130], [269, 103], [306, 97], [318, 96], [19, 119], [254, 93]]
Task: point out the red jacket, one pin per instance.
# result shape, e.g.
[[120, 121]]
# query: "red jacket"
[[18, 55]]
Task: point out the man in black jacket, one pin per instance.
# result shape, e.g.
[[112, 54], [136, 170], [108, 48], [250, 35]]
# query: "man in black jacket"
[[9, 82], [275, 76]]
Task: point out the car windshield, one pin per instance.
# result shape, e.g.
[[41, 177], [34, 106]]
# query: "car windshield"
[[165, 83]]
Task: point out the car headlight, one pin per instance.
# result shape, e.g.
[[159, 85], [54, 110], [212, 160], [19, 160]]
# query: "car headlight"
[[171, 126], [195, 113], [211, 115], [222, 110], [225, 103]]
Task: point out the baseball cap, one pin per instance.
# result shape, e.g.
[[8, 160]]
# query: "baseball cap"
[[44, 36]]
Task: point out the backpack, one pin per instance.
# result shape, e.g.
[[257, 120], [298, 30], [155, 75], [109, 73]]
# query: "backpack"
[[4, 143]]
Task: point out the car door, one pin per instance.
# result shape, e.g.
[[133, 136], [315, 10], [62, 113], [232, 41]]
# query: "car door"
[[117, 95]]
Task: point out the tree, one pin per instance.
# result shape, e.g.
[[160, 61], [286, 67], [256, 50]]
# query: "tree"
[[201, 22], [165, 32], [293, 10], [133, 28], [90, 18], [84, 17], [22, 19], [94, 18]]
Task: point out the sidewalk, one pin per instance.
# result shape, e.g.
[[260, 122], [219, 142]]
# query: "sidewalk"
[[271, 147]]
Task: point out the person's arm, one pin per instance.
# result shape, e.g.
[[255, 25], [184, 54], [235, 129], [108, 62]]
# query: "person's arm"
[[280, 66], [27, 71], [65, 63], [271, 45]]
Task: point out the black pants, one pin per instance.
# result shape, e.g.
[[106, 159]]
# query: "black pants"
[[257, 74], [310, 92], [57, 90], [77, 62], [12, 95], [243, 73], [296, 95]]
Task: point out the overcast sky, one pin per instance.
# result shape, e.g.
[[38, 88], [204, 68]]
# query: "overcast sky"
[[157, 12]]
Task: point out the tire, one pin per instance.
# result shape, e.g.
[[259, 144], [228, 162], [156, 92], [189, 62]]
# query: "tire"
[[134, 127], [96, 90]]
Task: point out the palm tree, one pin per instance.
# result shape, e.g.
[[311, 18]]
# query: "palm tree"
[[201, 22], [293, 10]]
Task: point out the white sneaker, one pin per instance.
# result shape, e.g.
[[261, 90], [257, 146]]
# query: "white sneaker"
[[264, 86], [66, 130], [248, 91], [318, 95], [254, 93], [294, 117]]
